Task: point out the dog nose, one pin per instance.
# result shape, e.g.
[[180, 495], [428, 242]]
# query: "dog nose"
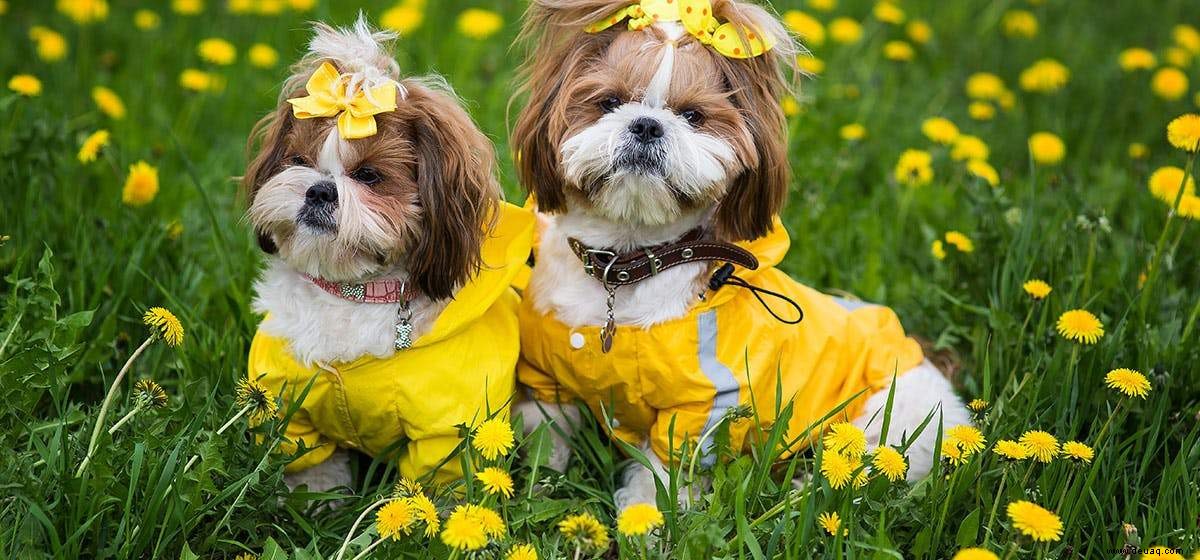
[[324, 192], [646, 129]]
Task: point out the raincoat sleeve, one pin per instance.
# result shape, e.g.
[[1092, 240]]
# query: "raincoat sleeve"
[[270, 364]]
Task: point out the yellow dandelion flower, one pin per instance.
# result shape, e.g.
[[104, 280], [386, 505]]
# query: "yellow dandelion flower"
[[960, 241], [163, 324], [1078, 451], [1184, 132], [109, 102], [790, 106], [1128, 381], [1011, 450], [1189, 207], [888, 12], [837, 468], [269, 7], [810, 64], [975, 554], [1020, 23], [258, 400], [245, 556], [187, 7], [953, 453], [1187, 37], [968, 437], [496, 481], [403, 18], [1138, 150], [464, 529], [845, 30], [914, 168], [981, 111], [1047, 148], [847, 439], [479, 24], [1165, 182], [1081, 326], [84, 11], [967, 147], [1178, 57], [940, 130], [983, 170], [890, 463], [1044, 76], [51, 45], [394, 519], [493, 438], [984, 86], [585, 531], [1034, 521], [90, 149], [810, 30], [302, 5], [898, 51], [217, 51], [1007, 100], [1134, 59], [823, 5], [25, 84], [239, 6], [149, 394], [1037, 289], [977, 405], [141, 185], [146, 20], [852, 132], [830, 522], [426, 512], [197, 80], [938, 250], [262, 56], [919, 31], [1042, 446], [524, 551], [639, 519], [1169, 83]]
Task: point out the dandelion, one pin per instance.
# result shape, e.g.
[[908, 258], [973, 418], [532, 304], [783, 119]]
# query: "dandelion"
[[146, 20], [1184, 132], [217, 51], [197, 80], [403, 18], [1037, 289], [1130, 382], [790, 106], [852, 132], [810, 64], [496, 481], [938, 250], [1042, 446], [84, 11], [1164, 184], [262, 56], [914, 168], [898, 51], [967, 147], [1044, 76], [919, 31], [1178, 57], [983, 170], [960, 241], [478, 23], [394, 519], [149, 394], [1011, 450], [1046, 148], [1080, 326], [1169, 83], [90, 149], [940, 130], [1078, 451], [269, 7], [967, 437], [1035, 521], [109, 102], [463, 529], [245, 556], [163, 324], [890, 463], [302, 5], [846, 438], [984, 86], [51, 45], [524, 551], [187, 7], [639, 519], [807, 27], [830, 522], [953, 453], [585, 531], [837, 468], [888, 12], [977, 405], [845, 31], [256, 399], [981, 111], [1134, 59], [1187, 37], [493, 438], [823, 5], [1138, 150], [975, 554], [25, 84], [1020, 23], [141, 185]]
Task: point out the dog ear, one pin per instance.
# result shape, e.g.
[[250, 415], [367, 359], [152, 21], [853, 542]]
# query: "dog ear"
[[265, 150], [457, 186]]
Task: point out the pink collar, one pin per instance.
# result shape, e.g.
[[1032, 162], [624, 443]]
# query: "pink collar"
[[376, 291]]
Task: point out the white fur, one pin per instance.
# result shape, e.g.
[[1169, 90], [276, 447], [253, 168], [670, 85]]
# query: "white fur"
[[563, 420], [325, 476], [360, 54]]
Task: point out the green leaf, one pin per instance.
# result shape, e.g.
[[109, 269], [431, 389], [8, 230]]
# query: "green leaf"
[[968, 530], [272, 551]]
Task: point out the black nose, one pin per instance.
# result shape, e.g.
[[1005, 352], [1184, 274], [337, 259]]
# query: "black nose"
[[321, 193], [646, 129]]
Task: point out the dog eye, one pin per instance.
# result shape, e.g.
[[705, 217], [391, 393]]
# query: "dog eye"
[[299, 160], [610, 103], [366, 175], [693, 117]]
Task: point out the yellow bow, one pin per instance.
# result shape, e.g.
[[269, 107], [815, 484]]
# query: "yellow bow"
[[698, 20], [329, 95]]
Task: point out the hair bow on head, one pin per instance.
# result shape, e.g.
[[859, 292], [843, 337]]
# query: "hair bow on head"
[[697, 18], [355, 103]]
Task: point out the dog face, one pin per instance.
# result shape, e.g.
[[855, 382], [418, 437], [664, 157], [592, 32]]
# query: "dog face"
[[410, 199], [642, 126]]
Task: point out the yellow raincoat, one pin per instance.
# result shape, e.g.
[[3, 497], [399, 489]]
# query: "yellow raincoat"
[[457, 373], [727, 351]]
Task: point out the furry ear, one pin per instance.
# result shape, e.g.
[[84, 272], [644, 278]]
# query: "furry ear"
[[265, 149], [457, 186]]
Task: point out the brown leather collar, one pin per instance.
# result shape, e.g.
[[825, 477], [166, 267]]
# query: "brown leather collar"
[[622, 269]]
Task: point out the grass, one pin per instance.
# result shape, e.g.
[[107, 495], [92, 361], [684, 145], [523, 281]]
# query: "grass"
[[80, 267]]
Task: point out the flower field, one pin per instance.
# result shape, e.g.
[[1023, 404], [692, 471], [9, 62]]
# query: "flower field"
[[1014, 177]]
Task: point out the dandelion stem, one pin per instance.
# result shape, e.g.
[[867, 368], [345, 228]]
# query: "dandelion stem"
[[241, 412], [108, 400], [368, 550], [136, 409], [987, 538], [357, 522], [1191, 322], [1157, 257]]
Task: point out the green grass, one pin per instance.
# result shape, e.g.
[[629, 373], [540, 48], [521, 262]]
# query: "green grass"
[[80, 267]]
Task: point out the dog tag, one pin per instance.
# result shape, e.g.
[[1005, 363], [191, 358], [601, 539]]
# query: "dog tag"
[[607, 334], [403, 335]]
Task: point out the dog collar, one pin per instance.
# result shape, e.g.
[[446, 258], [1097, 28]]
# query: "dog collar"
[[375, 291], [620, 269]]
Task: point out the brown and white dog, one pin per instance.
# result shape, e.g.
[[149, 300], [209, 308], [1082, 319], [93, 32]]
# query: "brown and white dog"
[[631, 139]]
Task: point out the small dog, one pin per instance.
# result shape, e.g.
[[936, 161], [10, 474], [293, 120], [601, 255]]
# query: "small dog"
[[391, 259], [655, 140]]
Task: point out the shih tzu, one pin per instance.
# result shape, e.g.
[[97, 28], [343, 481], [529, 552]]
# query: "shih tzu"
[[654, 141], [387, 289]]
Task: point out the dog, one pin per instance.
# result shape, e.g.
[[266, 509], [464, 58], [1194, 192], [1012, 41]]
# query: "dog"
[[390, 258], [654, 143]]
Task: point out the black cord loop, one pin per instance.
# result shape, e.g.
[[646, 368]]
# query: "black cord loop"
[[725, 275]]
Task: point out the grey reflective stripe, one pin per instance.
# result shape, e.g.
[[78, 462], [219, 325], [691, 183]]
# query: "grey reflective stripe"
[[852, 304], [720, 376]]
